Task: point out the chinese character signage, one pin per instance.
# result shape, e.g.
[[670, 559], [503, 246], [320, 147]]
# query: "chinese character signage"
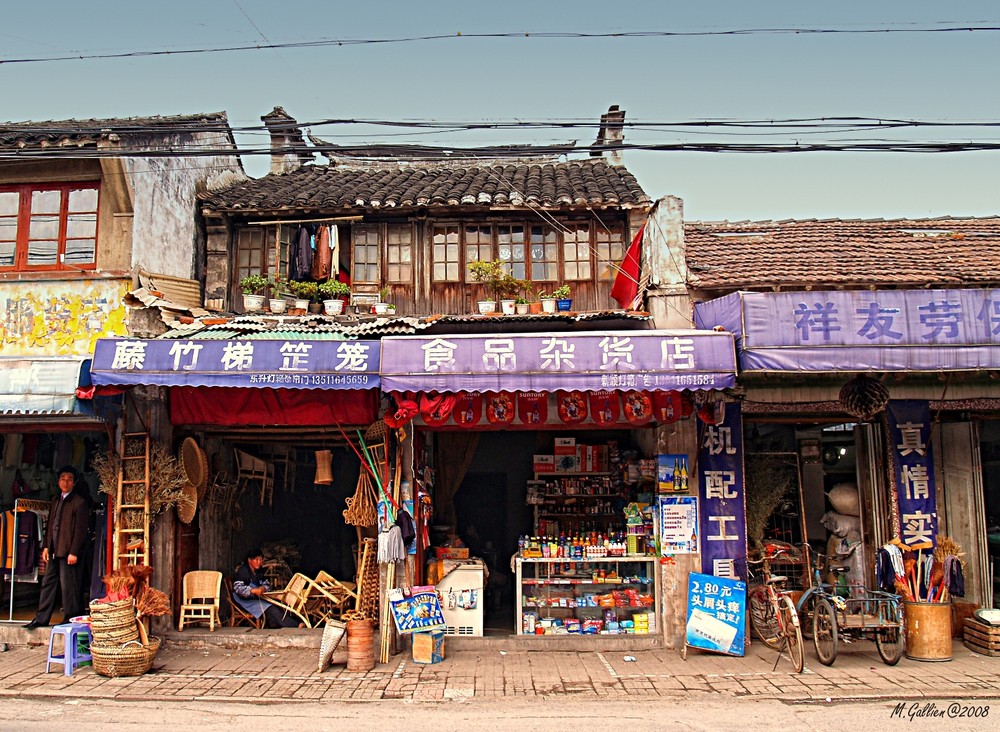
[[909, 436], [626, 361], [678, 525], [894, 330], [723, 514], [291, 364], [716, 614]]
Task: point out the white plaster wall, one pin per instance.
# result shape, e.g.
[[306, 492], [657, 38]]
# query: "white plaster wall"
[[164, 234]]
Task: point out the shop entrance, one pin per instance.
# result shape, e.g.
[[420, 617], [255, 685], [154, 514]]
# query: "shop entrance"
[[990, 446]]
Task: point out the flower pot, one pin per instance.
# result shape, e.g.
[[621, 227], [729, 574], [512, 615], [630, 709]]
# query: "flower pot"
[[333, 307], [253, 303], [521, 308], [548, 306], [534, 308], [381, 308], [487, 306], [301, 303], [315, 307], [507, 307], [277, 305], [563, 305]]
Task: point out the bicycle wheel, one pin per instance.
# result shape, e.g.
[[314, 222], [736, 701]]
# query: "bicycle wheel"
[[824, 623], [806, 610], [889, 640], [762, 618], [792, 633]]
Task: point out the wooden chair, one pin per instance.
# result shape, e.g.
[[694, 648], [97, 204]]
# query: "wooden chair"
[[294, 598], [237, 615], [201, 598], [252, 469], [329, 597]]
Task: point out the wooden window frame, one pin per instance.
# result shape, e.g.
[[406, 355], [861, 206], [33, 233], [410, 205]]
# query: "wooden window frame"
[[23, 225], [461, 276], [607, 268]]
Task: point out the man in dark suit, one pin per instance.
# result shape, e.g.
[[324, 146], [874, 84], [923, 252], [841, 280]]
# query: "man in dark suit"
[[65, 541]]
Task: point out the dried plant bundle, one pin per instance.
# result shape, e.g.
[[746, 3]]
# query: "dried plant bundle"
[[769, 480], [946, 546], [166, 480], [151, 602]]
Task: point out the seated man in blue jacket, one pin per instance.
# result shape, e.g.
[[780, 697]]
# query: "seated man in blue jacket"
[[249, 585]]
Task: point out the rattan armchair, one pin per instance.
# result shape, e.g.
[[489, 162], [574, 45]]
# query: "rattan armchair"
[[329, 598], [201, 598], [294, 598]]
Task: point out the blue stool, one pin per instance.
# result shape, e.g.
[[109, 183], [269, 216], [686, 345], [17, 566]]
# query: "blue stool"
[[73, 635]]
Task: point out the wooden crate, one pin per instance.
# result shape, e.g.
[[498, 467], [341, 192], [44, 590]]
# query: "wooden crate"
[[982, 638]]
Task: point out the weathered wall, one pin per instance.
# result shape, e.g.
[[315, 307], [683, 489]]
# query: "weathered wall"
[[166, 237]]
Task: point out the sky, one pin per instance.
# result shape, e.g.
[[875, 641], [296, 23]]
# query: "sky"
[[659, 81]]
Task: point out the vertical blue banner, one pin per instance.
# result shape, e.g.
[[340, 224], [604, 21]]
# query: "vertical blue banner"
[[722, 509], [716, 614], [910, 441]]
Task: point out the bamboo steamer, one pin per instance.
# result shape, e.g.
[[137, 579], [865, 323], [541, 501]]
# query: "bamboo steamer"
[[360, 645]]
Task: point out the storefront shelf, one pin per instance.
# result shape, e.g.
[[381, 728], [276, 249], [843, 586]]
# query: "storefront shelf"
[[581, 582]]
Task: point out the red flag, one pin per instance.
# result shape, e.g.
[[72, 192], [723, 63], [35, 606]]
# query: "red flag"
[[626, 285]]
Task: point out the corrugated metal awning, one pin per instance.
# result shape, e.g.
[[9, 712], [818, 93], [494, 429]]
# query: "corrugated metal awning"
[[43, 386]]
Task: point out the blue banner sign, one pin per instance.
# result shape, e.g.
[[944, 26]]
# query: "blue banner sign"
[[910, 438], [722, 510], [894, 330], [632, 360], [277, 364], [716, 614]]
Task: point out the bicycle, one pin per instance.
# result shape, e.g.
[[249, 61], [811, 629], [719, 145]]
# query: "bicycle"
[[830, 617], [773, 616]]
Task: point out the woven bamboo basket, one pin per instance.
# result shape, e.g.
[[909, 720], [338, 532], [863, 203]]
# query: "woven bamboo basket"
[[132, 659], [113, 623]]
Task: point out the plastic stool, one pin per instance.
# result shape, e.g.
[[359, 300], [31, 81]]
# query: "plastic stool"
[[73, 635]]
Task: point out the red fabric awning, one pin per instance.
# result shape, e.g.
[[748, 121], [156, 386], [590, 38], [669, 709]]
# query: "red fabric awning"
[[217, 405]]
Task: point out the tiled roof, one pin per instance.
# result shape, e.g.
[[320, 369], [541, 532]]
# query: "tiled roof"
[[79, 132], [790, 254], [517, 183]]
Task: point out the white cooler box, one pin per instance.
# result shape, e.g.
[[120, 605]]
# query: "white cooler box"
[[461, 587]]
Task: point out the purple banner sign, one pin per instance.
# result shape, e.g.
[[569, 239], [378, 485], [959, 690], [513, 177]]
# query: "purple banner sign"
[[722, 512], [897, 330], [667, 360], [278, 364], [910, 434]]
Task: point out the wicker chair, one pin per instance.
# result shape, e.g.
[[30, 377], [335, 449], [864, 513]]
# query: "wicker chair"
[[328, 598], [294, 598], [237, 615], [201, 598]]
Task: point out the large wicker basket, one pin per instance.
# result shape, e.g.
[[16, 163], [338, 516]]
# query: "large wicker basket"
[[132, 659], [113, 623]]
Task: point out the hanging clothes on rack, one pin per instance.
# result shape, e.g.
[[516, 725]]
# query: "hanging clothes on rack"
[[300, 259], [322, 262]]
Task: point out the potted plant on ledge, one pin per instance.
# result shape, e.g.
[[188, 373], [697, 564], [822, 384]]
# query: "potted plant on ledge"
[[564, 297], [548, 300], [254, 286], [277, 303], [335, 292], [306, 292], [491, 274]]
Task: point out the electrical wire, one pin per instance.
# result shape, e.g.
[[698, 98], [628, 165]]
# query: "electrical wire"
[[888, 29]]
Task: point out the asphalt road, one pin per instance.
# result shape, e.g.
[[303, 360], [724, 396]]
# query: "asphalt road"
[[549, 714]]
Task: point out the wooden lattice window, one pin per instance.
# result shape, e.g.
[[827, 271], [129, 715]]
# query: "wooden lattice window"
[[51, 226], [445, 251], [610, 244], [576, 252]]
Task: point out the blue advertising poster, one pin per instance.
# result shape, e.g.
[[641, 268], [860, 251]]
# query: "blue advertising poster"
[[722, 509], [910, 430], [716, 613], [419, 611]]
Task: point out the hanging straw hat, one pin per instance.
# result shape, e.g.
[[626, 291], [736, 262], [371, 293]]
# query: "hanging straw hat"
[[324, 468], [195, 464], [187, 508]]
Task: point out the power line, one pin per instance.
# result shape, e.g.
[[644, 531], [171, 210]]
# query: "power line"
[[975, 26]]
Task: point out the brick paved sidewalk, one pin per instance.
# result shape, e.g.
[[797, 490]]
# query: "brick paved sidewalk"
[[185, 673]]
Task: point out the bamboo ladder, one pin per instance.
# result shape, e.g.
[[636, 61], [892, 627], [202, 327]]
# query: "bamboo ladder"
[[131, 542]]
